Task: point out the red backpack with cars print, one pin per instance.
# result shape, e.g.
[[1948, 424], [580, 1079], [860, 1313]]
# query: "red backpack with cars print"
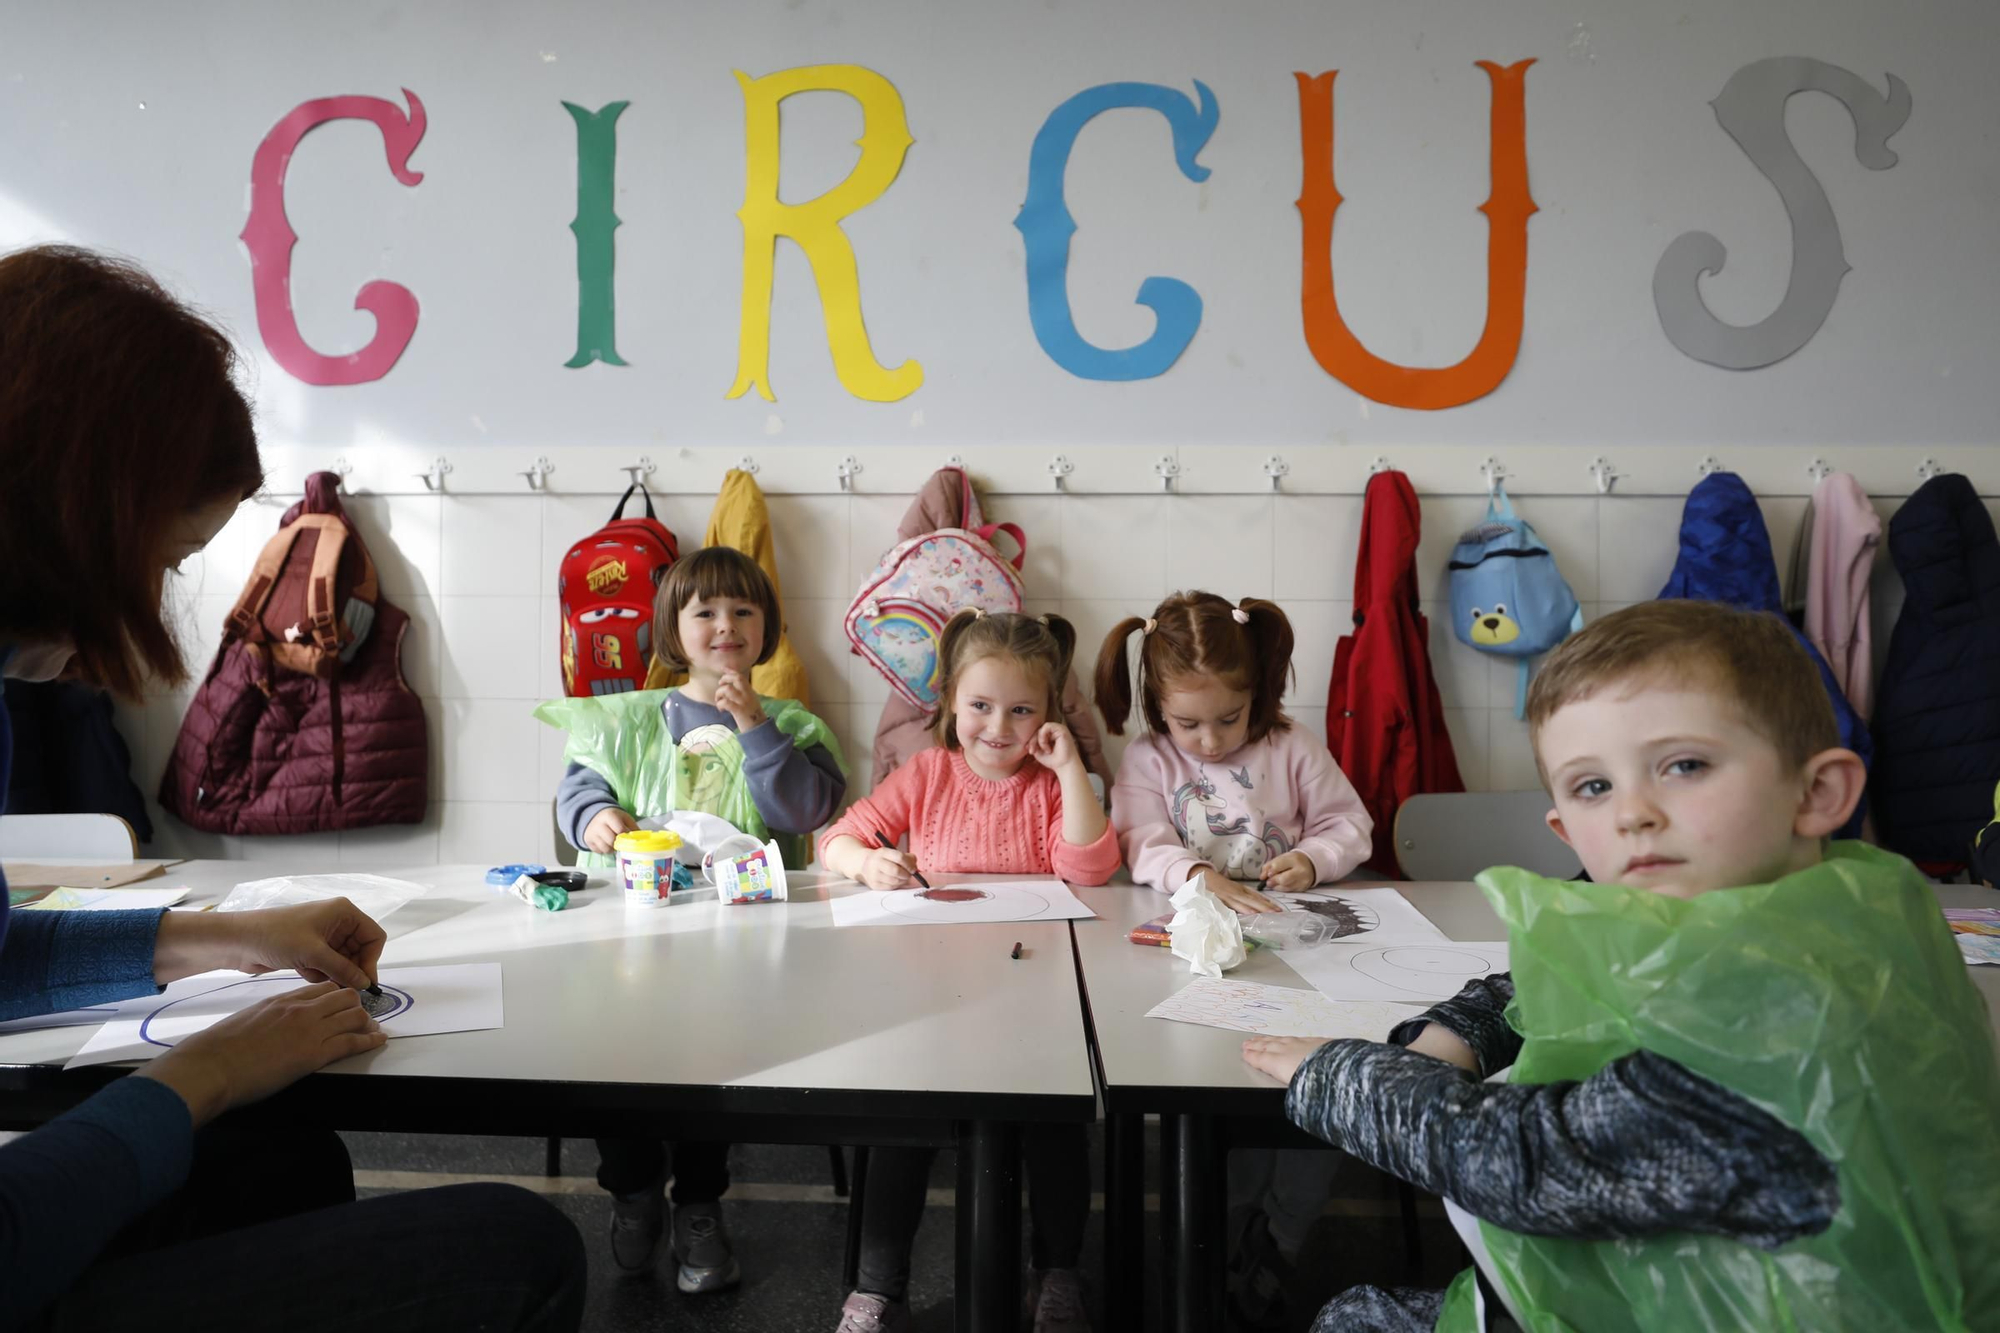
[[605, 592]]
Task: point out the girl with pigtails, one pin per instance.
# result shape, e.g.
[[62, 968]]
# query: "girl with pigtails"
[[1005, 791], [1222, 788]]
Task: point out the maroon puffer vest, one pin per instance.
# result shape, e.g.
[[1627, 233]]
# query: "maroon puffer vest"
[[284, 736]]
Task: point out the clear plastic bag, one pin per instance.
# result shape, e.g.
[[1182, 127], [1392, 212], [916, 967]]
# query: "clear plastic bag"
[[374, 894]]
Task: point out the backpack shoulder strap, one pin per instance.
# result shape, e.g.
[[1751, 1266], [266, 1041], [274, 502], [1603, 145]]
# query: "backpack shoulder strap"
[[263, 578]]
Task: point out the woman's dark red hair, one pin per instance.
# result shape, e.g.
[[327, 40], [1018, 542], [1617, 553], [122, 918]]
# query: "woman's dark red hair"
[[119, 417]]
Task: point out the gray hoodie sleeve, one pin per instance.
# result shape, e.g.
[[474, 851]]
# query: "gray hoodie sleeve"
[[796, 790], [1642, 1147], [581, 794]]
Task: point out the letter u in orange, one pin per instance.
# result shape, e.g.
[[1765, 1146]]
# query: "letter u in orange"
[[1507, 209]]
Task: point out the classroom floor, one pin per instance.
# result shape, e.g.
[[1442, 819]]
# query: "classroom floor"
[[789, 1230]]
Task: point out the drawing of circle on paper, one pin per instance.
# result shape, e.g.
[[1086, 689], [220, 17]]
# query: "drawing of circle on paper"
[[176, 1019], [965, 903], [1427, 971]]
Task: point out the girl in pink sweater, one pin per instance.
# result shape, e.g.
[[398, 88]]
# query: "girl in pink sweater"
[[1005, 791], [1224, 787]]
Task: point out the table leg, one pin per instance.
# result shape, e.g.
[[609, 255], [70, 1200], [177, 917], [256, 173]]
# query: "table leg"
[[989, 1228], [1198, 1243], [1124, 1221]]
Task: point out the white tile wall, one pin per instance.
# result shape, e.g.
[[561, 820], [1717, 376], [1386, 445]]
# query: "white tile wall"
[[477, 576]]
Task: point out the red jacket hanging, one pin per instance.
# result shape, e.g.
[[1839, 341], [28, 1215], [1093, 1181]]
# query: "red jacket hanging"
[[1384, 722]]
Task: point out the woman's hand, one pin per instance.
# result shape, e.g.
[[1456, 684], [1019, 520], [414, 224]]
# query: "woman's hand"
[[888, 868], [1293, 871], [1280, 1057], [601, 834], [325, 941], [1236, 897], [271, 1045], [1054, 748]]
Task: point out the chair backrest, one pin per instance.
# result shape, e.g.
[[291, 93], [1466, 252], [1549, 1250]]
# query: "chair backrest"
[[84, 840], [565, 854], [1455, 835]]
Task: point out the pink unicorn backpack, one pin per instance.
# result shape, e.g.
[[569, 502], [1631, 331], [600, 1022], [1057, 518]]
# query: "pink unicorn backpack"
[[895, 620]]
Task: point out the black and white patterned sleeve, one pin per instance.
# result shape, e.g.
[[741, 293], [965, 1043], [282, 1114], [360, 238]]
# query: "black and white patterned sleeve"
[[1643, 1146], [1477, 1015]]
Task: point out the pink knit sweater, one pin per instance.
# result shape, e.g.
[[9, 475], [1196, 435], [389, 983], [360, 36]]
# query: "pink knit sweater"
[[960, 823]]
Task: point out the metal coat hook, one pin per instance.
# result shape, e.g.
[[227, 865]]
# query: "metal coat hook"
[[1379, 464], [747, 464], [1928, 468], [1819, 470], [847, 471], [1060, 467], [538, 474], [638, 471], [1496, 475], [433, 477], [955, 461], [1606, 475], [1166, 470], [1277, 469], [341, 467], [1709, 465]]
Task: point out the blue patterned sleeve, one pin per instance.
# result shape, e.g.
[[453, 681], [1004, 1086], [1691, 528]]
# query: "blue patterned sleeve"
[[51, 961], [1643, 1146]]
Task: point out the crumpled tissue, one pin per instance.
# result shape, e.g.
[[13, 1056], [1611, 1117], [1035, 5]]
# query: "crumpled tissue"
[[700, 833], [1204, 932]]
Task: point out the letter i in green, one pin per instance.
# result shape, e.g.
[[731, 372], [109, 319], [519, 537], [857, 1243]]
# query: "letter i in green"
[[596, 164]]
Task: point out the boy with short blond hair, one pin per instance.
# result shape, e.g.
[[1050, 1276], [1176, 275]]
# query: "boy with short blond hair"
[[1751, 1085]]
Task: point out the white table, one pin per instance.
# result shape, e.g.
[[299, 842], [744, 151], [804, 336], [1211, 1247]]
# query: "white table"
[[758, 1023], [1194, 1078]]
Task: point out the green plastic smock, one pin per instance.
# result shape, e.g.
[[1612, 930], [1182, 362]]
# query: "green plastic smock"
[[1835, 1000], [624, 739]]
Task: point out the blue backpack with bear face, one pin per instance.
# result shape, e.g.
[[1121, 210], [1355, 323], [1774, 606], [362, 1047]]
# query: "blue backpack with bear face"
[[1507, 596]]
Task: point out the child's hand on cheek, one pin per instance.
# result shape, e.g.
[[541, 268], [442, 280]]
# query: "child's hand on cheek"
[[1292, 871], [1053, 746], [734, 696], [1280, 1057]]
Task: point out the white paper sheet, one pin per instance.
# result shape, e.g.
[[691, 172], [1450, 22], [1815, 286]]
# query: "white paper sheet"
[[1380, 915], [1418, 973], [1278, 1011], [455, 997], [107, 900], [951, 902]]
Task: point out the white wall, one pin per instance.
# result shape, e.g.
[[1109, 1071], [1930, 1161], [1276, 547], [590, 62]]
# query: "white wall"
[[1624, 155]]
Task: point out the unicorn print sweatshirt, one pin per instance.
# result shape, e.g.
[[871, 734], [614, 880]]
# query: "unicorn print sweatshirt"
[[1174, 811]]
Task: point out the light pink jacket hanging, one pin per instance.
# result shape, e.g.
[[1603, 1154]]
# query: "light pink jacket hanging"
[[1846, 533]]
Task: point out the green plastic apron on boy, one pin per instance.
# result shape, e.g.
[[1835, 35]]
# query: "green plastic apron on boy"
[[1835, 1000], [624, 739]]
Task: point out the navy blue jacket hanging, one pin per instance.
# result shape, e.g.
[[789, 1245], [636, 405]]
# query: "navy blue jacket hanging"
[[1726, 557], [69, 757], [1937, 708]]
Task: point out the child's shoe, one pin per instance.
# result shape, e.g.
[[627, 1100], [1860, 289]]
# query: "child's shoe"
[[1258, 1277], [864, 1313], [636, 1223], [701, 1248], [1056, 1299]]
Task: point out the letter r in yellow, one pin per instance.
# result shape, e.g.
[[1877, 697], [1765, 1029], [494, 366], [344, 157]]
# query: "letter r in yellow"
[[815, 226]]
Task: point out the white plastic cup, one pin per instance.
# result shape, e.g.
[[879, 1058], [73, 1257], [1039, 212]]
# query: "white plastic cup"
[[755, 874]]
